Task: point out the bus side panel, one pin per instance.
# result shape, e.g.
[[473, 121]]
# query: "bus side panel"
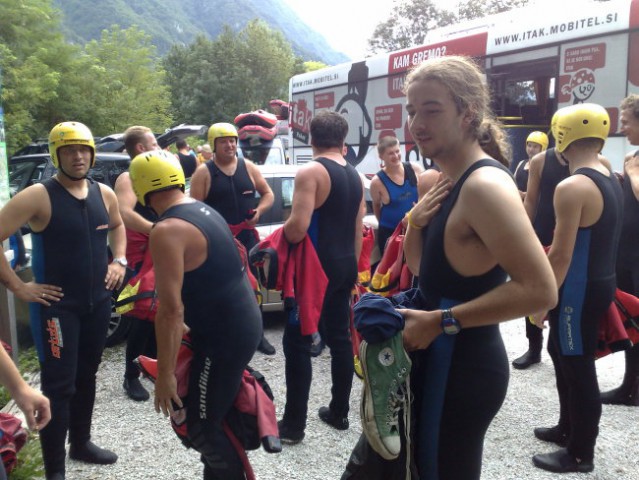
[[595, 71]]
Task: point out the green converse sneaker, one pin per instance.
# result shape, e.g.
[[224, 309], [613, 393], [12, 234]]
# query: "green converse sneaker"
[[386, 368]]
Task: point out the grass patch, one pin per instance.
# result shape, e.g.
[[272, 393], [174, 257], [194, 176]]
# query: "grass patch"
[[30, 464]]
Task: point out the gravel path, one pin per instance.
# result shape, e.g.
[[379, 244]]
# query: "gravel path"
[[148, 449]]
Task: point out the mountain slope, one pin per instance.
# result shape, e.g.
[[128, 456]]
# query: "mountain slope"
[[178, 21]]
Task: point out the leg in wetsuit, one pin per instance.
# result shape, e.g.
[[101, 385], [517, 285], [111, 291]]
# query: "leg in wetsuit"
[[335, 319], [69, 375]]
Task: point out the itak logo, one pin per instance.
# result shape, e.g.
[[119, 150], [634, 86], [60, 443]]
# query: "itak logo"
[[205, 211]]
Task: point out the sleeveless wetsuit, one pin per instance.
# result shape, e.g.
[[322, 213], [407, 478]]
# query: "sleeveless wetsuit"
[[402, 198], [628, 262], [226, 327], [552, 173], [628, 256], [234, 197], [544, 224], [188, 163], [71, 252], [332, 233], [584, 297], [460, 381], [521, 175]]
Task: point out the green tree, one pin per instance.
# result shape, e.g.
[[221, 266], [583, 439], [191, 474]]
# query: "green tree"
[[411, 20], [214, 81], [126, 83], [408, 24], [29, 44], [470, 9], [312, 65]]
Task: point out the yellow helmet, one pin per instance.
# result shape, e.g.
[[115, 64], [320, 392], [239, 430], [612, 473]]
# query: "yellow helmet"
[[538, 137], [219, 130], [70, 133], [583, 120], [153, 171]]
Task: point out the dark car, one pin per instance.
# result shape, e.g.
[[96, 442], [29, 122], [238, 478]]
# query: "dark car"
[[26, 170], [115, 143]]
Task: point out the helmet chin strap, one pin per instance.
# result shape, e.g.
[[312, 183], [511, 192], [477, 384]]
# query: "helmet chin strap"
[[74, 179]]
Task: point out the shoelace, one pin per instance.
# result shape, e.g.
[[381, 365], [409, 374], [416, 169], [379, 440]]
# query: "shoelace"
[[401, 399]]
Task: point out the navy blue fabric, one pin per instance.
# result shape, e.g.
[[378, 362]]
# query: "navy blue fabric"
[[376, 319]]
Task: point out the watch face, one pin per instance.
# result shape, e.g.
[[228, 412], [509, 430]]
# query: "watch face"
[[450, 326]]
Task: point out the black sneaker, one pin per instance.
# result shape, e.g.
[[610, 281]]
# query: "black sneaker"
[[552, 435], [265, 347], [288, 435], [134, 389], [91, 453], [327, 416], [527, 359], [562, 462]]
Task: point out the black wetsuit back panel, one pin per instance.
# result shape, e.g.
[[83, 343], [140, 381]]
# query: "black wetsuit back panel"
[[332, 228], [219, 302], [552, 173]]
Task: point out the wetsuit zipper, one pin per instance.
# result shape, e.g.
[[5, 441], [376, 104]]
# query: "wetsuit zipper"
[[85, 214]]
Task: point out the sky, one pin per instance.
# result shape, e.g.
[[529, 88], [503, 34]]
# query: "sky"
[[346, 24]]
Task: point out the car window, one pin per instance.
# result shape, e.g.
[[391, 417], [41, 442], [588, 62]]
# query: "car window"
[[108, 171], [287, 197], [24, 174], [283, 200]]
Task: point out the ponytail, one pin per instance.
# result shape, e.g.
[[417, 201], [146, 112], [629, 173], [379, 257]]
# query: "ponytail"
[[493, 141]]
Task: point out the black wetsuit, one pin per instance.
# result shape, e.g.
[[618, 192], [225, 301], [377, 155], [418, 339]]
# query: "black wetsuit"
[[226, 326], [234, 197], [521, 175], [584, 297], [552, 173], [459, 381], [628, 256], [141, 337], [332, 233], [188, 163], [628, 264], [71, 252]]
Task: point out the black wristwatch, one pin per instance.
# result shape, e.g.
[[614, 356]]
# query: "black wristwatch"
[[450, 325]]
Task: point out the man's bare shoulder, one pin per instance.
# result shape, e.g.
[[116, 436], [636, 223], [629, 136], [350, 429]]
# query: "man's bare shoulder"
[[537, 160], [488, 189], [574, 187]]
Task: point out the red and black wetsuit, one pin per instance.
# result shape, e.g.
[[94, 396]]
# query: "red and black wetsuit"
[[333, 235], [459, 381], [71, 252], [226, 327]]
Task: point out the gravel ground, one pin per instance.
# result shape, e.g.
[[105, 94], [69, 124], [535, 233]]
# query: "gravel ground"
[[148, 449]]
